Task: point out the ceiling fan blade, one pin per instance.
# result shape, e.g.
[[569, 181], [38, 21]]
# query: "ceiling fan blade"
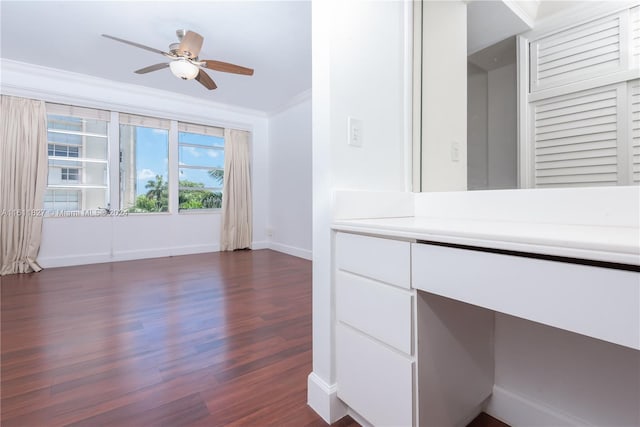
[[226, 67], [191, 44], [205, 80], [151, 68], [141, 46]]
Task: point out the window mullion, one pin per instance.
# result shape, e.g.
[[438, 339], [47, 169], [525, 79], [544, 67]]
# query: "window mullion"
[[174, 175], [113, 166]]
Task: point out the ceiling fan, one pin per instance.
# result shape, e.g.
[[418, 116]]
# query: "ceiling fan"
[[185, 62]]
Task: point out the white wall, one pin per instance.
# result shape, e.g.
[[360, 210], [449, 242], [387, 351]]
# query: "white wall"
[[587, 381], [367, 73], [289, 219], [361, 69], [72, 241], [502, 128]]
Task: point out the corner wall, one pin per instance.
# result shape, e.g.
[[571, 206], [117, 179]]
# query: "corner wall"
[[289, 158]]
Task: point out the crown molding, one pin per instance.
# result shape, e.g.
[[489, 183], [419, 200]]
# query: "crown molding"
[[292, 102], [54, 85], [521, 12]]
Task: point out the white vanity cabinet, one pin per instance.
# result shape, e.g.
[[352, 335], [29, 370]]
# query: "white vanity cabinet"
[[400, 360], [375, 351], [415, 319]]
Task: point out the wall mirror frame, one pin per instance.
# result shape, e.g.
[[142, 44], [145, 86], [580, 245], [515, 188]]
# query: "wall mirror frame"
[[577, 92]]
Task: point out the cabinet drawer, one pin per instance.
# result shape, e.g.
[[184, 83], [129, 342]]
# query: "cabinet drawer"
[[603, 303], [374, 380], [382, 311], [381, 259]]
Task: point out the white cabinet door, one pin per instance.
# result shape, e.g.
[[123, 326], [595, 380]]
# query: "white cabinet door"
[[603, 303], [381, 259], [374, 380], [384, 312]]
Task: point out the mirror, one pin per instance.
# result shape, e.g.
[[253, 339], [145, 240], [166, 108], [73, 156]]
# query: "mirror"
[[492, 132], [549, 96]]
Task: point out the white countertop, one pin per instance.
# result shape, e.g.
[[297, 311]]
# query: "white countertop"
[[600, 243]]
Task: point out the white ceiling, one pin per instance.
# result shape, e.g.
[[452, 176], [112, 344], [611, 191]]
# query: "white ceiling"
[[273, 37], [489, 22]]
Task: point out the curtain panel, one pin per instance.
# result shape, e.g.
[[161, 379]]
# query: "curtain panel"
[[237, 224], [23, 179]]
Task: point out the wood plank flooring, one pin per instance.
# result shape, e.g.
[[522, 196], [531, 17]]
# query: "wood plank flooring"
[[200, 340]]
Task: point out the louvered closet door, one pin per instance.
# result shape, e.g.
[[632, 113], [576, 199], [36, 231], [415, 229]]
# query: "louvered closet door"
[[579, 53], [576, 138], [634, 31], [634, 112]]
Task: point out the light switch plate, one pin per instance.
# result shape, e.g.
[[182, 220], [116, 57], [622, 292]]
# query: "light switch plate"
[[455, 151], [355, 132]]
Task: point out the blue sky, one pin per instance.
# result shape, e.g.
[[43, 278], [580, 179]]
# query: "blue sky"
[[152, 156]]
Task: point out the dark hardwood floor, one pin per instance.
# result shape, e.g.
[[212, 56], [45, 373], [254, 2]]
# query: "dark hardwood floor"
[[212, 339], [199, 340]]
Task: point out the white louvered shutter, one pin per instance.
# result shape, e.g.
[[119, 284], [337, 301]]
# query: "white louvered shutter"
[[634, 36], [577, 53], [576, 138], [634, 137]]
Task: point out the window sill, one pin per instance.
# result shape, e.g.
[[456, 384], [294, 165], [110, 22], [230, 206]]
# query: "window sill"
[[200, 211]]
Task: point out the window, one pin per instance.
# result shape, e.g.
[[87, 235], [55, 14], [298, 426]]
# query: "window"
[[77, 148], [144, 164], [70, 174], [60, 150], [201, 158], [62, 200], [79, 177]]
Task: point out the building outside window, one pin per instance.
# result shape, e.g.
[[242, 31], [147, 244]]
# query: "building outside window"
[[77, 147], [201, 159]]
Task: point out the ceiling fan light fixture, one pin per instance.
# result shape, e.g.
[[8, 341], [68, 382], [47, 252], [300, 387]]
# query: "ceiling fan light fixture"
[[184, 69]]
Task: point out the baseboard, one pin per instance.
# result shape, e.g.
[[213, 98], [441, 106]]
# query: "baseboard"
[[291, 250], [323, 399], [98, 258], [102, 257], [517, 410], [71, 260], [263, 244], [164, 252], [359, 418]]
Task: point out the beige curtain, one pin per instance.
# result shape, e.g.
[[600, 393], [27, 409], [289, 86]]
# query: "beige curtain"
[[237, 225], [23, 178]]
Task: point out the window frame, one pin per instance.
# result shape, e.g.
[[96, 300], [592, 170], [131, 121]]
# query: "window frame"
[[112, 161], [202, 131], [76, 160], [154, 123]]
